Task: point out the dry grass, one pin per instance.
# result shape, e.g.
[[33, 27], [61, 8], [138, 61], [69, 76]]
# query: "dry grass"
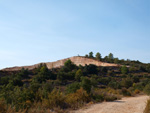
[[147, 108]]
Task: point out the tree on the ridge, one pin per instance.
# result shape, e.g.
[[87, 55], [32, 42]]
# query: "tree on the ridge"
[[86, 55], [116, 60], [91, 54], [110, 57], [98, 56], [69, 65]]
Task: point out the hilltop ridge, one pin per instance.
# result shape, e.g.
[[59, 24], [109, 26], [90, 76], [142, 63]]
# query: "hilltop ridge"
[[78, 60]]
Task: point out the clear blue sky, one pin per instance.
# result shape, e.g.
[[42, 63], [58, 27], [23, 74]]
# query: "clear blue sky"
[[33, 31]]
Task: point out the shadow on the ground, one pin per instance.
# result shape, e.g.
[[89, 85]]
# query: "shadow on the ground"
[[119, 101]]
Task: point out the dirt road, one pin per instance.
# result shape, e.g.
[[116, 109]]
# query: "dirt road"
[[126, 105]]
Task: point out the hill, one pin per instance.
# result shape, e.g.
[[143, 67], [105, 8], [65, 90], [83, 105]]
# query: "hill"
[[78, 60], [71, 83]]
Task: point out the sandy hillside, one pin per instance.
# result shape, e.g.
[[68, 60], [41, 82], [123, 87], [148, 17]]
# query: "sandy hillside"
[[126, 105], [78, 60]]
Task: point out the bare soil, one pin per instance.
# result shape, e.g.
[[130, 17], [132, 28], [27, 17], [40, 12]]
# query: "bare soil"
[[57, 64], [126, 105]]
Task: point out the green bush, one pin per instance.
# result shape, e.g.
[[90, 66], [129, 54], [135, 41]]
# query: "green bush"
[[94, 81], [127, 83], [34, 86], [78, 75], [147, 89], [110, 97], [69, 66], [138, 86], [4, 80], [125, 92], [86, 84], [98, 97], [104, 80], [147, 108], [56, 99], [148, 68], [2, 107], [77, 99], [124, 70], [114, 85], [16, 82], [135, 79], [72, 88]]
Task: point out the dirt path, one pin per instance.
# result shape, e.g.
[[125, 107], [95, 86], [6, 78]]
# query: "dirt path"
[[126, 105]]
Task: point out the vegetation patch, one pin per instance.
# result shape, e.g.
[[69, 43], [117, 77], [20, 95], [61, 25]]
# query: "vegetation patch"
[[71, 86]]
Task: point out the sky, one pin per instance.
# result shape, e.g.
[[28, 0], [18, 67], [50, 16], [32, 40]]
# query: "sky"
[[34, 31]]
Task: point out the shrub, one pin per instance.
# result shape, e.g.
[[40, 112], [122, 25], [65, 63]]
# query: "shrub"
[[137, 91], [69, 66], [22, 98], [110, 97], [101, 95], [90, 69], [98, 97], [127, 83], [147, 108], [2, 107], [110, 73], [23, 73], [4, 80], [56, 99], [125, 92], [147, 89], [34, 86], [77, 99], [114, 85], [148, 68], [124, 70], [16, 82], [94, 81], [132, 69], [138, 86], [72, 88], [45, 89], [78, 75], [135, 79], [86, 84], [104, 80]]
